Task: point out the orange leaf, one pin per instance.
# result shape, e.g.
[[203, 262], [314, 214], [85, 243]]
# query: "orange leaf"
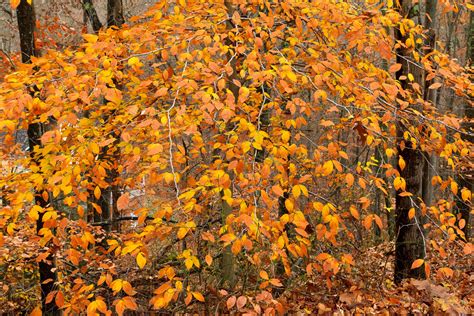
[[231, 302], [349, 179], [277, 190], [241, 301], [36, 312], [275, 282], [188, 299], [14, 4], [378, 221], [435, 85], [354, 212], [395, 67], [417, 263], [122, 201], [411, 213], [208, 260], [59, 300], [97, 192], [198, 296]]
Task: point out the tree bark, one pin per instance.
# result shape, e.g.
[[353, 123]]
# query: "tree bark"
[[227, 261], [26, 27], [91, 14], [115, 13], [465, 179], [431, 161], [410, 241]]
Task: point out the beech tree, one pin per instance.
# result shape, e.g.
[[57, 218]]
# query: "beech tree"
[[35, 130], [221, 156]]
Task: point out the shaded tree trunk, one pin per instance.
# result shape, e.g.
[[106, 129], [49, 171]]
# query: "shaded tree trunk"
[[431, 161], [91, 13], [227, 261], [410, 241], [107, 202], [465, 179], [26, 26], [115, 13]]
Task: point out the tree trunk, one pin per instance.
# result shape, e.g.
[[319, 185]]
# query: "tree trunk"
[[465, 179], [115, 13], [410, 241], [91, 14], [107, 202], [431, 161], [227, 262], [26, 26]]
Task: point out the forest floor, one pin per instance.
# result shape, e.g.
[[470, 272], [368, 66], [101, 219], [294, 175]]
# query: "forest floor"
[[370, 290]]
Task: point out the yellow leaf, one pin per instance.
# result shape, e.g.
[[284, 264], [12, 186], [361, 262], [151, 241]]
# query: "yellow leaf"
[[141, 260], [454, 187], [417, 263], [90, 38], [289, 205], [198, 296], [133, 61], [291, 75], [370, 139], [188, 263], [303, 189], [257, 146], [281, 242], [116, 285], [410, 77], [34, 212], [328, 167], [389, 152], [182, 232], [94, 148], [401, 163], [399, 183], [296, 191], [168, 176], [196, 261]]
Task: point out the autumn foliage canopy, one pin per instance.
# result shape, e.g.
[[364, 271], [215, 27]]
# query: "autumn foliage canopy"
[[244, 148]]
